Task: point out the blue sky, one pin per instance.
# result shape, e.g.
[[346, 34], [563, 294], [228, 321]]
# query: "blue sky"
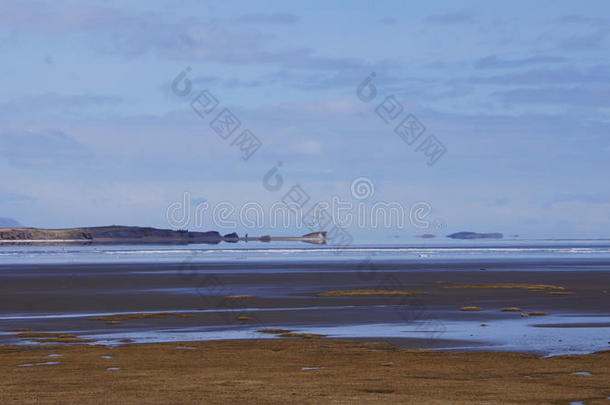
[[92, 134]]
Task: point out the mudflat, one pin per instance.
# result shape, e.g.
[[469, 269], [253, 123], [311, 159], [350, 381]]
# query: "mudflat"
[[410, 305], [79, 333]]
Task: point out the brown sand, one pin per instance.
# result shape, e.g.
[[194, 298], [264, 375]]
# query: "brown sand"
[[301, 335], [512, 286], [512, 309], [274, 331], [270, 372], [358, 293], [470, 309], [48, 337]]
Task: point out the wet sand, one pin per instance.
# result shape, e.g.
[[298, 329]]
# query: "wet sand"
[[236, 299], [99, 310], [294, 371], [141, 287]]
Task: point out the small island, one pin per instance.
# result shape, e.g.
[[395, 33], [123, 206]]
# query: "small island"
[[475, 235]]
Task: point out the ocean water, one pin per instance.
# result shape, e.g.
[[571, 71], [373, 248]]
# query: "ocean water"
[[418, 252]]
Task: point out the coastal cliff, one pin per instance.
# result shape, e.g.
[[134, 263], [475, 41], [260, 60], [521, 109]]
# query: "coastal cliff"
[[113, 234]]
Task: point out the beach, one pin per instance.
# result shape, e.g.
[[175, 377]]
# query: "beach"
[[334, 329]]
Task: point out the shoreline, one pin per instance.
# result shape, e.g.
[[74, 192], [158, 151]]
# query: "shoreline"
[[395, 332], [299, 297]]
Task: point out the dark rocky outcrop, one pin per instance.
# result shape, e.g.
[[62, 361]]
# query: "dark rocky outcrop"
[[475, 235], [231, 237], [9, 234], [111, 234]]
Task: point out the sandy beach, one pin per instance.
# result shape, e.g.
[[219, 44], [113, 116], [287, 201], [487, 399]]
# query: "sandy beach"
[[465, 332]]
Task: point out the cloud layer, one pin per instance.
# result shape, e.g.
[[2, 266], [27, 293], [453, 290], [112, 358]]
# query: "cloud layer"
[[91, 131]]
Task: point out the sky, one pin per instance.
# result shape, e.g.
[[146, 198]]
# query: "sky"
[[97, 125]]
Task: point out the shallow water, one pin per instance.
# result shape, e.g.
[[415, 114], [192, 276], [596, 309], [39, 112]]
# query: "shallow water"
[[49, 290], [519, 334], [47, 363], [416, 251]]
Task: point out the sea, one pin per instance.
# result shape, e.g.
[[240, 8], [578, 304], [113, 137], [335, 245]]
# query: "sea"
[[418, 252]]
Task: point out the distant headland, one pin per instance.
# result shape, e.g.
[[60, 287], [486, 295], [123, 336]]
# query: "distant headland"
[[136, 234]]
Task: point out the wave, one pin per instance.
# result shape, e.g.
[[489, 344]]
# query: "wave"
[[310, 250], [142, 253], [363, 250]]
